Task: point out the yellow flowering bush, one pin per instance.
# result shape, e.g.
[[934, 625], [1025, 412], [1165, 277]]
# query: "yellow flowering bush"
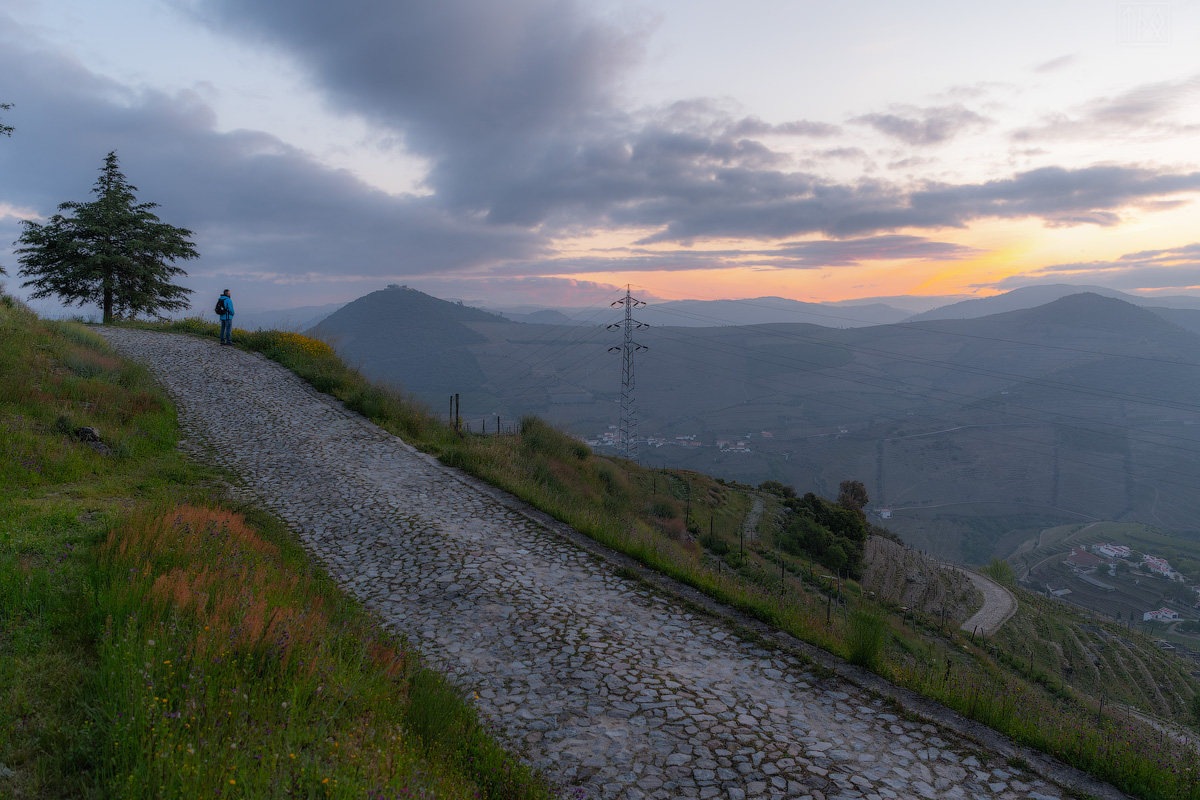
[[287, 342]]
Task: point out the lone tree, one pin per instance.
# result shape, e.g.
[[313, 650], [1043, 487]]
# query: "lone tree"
[[852, 495], [113, 251]]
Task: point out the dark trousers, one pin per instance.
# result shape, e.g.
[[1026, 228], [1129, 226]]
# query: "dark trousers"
[[227, 330]]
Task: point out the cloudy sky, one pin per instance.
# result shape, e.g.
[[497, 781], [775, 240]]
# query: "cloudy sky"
[[545, 151]]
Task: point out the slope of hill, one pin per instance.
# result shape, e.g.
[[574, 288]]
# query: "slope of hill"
[[403, 332]]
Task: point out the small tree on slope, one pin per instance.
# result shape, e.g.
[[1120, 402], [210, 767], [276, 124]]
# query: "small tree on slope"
[[112, 251]]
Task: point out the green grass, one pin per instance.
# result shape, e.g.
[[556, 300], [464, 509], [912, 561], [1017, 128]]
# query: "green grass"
[[157, 640], [642, 512]]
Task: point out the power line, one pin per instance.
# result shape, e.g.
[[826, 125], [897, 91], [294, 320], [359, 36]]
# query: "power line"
[[568, 328], [627, 431]]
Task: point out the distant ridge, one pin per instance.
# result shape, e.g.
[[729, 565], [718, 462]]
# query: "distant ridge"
[[1093, 312], [1031, 296], [748, 311]]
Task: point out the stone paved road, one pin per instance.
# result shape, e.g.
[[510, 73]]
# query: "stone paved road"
[[614, 689]]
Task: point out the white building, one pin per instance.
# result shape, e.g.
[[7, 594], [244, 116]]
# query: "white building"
[[1162, 615]]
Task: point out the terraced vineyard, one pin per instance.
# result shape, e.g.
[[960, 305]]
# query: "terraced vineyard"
[[1109, 661]]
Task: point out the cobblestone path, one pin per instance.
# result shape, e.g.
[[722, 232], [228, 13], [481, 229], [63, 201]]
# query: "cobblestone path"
[[613, 689]]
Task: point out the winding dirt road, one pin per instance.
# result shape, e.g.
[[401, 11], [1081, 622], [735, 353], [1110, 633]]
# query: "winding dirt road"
[[998, 604]]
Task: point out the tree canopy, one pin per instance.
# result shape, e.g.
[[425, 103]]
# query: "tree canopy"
[[112, 251]]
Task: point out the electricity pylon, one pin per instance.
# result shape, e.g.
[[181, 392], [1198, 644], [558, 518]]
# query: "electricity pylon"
[[627, 434]]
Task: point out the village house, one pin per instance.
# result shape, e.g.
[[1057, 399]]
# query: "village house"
[[1158, 566], [1082, 560], [1114, 550], [1161, 615]]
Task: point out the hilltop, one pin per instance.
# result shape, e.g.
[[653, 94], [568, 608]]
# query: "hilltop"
[[400, 331]]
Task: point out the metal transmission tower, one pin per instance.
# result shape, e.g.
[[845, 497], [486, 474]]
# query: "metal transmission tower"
[[627, 435]]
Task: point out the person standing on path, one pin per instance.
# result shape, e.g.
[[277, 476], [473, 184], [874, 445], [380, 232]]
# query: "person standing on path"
[[225, 303]]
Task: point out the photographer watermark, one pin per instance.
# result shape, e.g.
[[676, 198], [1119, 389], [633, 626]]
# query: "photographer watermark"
[[1140, 24]]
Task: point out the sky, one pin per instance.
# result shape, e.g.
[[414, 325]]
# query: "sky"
[[549, 152]]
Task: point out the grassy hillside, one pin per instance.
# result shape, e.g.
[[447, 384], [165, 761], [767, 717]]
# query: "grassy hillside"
[[156, 640], [693, 528]]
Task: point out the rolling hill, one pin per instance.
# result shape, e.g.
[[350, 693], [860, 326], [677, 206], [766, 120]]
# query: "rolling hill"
[[974, 433]]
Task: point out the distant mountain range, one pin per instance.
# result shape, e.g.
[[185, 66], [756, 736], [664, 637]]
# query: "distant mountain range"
[[973, 432], [1030, 296], [710, 313], [850, 313]]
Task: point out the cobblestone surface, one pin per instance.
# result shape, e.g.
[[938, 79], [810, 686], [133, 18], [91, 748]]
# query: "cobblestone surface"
[[612, 688]]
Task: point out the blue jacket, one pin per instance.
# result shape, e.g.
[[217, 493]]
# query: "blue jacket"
[[228, 308]]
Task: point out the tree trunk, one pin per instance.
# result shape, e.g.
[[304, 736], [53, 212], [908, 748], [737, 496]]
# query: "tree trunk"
[[108, 305]]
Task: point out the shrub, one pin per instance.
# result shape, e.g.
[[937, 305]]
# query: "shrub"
[[715, 544], [865, 637], [1000, 571]]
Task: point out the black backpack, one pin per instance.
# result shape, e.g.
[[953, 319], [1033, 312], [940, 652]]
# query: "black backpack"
[[220, 309]]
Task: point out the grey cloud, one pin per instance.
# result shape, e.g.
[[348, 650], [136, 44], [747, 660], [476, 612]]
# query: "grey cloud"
[[753, 126], [789, 255], [911, 161], [515, 106], [843, 152], [1142, 110], [512, 166], [924, 126], [1172, 268], [257, 205], [895, 246], [1055, 64], [800, 204]]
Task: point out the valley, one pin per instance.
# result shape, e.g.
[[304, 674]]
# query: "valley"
[[971, 435]]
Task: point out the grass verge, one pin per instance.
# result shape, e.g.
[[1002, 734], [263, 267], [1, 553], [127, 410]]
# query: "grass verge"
[[157, 641]]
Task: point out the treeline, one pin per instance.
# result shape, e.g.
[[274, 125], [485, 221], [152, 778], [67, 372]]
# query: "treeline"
[[833, 533]]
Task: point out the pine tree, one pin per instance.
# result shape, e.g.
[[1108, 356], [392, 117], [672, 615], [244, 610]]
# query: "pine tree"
[[113, 251]]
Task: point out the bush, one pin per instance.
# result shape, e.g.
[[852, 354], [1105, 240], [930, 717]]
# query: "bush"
[[714, 544], [1000, 571], [865, 637], [663, 510]]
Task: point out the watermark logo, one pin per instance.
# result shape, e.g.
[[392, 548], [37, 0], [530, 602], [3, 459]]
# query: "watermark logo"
[[1140, 24]]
